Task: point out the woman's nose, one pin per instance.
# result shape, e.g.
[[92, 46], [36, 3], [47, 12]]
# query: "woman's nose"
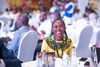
[[58, 28]]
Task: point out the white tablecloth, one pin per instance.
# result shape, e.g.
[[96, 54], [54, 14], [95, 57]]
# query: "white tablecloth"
[[58, 63]]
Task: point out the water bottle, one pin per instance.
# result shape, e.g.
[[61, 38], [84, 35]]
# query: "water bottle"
[[95, 56], [43, 58], [38, 60], [69, 62], [91, 63], [92, 52], [65, 60], [73, 57]]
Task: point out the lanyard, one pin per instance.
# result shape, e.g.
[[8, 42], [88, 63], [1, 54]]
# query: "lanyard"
[[55, 44]]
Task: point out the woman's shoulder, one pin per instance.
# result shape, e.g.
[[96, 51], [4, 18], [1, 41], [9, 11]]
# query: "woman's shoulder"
[[48, 39], [69, 40]]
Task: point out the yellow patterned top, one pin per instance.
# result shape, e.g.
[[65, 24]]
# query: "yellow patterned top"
[[59, 47]]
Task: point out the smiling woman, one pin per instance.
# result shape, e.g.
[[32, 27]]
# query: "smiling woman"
[[58, 42]]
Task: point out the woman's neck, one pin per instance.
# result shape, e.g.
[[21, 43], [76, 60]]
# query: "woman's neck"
[[58, 38]]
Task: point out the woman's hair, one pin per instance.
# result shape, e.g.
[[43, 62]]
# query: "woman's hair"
[[63, 24], [56, 20]]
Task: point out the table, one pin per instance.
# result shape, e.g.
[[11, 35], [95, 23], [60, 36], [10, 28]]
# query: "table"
[[58, 63]]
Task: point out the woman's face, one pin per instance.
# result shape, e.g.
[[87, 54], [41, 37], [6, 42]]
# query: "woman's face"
[[58, 28]]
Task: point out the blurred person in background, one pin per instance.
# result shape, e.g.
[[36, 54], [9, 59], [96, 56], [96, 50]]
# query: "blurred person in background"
[[69, 10], [23, 27], [13, 15], [19, 12], [91, 14], [77, 15], [7, 59], [46, 27], [54, 7], [35, 24], [41, 32], [7, 12]]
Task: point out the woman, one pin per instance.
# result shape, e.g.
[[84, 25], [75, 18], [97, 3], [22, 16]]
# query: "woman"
[[58, 42]]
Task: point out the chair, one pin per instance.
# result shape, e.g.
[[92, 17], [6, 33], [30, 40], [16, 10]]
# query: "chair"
[[2, 22], [27, 46], [81, 23], [82, 49], [4, 19]]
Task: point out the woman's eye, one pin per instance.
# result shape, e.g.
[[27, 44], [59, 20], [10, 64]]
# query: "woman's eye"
[[61, 26], [58, 26], [55, 26]]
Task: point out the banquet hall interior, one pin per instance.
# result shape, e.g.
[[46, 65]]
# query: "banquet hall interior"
[[81, 19]]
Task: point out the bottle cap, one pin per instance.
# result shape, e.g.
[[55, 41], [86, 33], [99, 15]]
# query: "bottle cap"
[[73, 47], [44, 51]]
